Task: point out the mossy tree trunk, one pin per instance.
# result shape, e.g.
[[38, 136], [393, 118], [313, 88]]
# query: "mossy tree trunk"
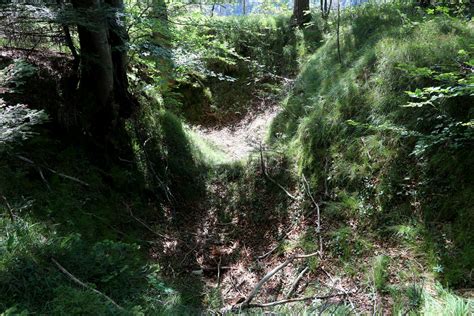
[[161, 40], [103, 88]]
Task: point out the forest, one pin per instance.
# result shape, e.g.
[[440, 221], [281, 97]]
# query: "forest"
[[224, 157]]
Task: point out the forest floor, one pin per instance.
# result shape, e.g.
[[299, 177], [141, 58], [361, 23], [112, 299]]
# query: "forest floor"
[[238, 139], [246, 225]]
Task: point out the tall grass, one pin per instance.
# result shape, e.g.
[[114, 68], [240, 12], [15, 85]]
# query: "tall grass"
[[346, 125]]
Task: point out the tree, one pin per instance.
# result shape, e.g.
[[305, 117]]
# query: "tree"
[[161, 43], [103, 87], [301, 13], [325, 7]]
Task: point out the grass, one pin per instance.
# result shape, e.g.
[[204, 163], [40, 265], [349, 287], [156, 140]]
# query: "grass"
[[346, 126], [380, 275], [207, 152], [444, 302]]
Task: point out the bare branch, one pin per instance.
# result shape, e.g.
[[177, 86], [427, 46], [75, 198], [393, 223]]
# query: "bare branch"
[[9, 209], [299, 299], [265, 173], [318, 214], [62, 175], [256, 289], [76, 280], [296, 281]]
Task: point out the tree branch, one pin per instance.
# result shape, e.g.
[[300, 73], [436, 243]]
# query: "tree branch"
[[76, 280], [256, 289], [296, 281], [299, 299]]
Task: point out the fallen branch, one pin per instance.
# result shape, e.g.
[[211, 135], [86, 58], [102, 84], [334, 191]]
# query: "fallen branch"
[[318, 214], [266, 254], [340, 287], [9, 209], [296, 281], [256, 289], [299, 299], [44, 179], [281, 187], [219, 272], [62, 175], [145, 224], [76, 280], [65, 176]]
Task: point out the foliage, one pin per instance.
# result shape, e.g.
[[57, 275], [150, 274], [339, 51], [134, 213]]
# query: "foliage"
[[382, 163], [202, 64], [16, 122], [446, 303], [14, 76], [380, 275], [30, 281]]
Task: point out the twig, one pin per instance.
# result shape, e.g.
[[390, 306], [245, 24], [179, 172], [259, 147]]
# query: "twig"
[[65, 176], [374, 312], [44, 179], [265, 173], [187, 254], [262, 161], [9, 209], [53, 171], [318, 214], [326, 167], [271, 273], [340, 287], [257, 287], [219, 272], [281, 187], [144, 224], [236, 288], [299, 299], [295, 282], [76, 280], [266, 254]]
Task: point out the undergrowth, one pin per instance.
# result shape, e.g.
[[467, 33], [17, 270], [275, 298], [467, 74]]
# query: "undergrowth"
[[357, 135], [387, 173]]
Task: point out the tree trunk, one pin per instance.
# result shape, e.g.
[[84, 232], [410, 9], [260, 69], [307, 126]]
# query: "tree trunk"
[[301, 13], [161, 39], [325, 8], [103, 86]]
